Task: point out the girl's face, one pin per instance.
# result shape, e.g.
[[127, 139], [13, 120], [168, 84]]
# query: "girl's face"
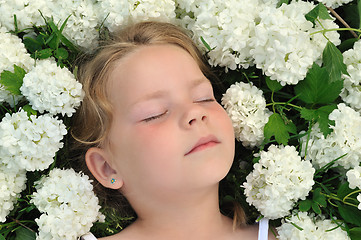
[[168, 133]]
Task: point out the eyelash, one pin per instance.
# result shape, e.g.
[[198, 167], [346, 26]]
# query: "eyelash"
[[155, 117], [164, 113]]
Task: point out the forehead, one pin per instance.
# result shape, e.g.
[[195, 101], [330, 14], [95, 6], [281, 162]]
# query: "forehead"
[[150, 68]]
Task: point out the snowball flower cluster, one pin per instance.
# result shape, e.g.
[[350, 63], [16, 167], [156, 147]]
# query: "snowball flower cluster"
[[80, 27], [313, 227], [51, 88], [351, 93], [30, 143], [278, 180], [354, 177], [26, 11], [282, 45], [68, 204], [12, 52], [120, 13], [246, 107], [344, 139], [226, 26], [12, 182], [334, 3]]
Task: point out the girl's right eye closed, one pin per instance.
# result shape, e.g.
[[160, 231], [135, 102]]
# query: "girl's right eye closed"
[[154, 117]]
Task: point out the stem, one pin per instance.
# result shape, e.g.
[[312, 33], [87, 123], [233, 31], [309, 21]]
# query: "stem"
[[336, 29], [338, 17], [348, 195], [284, 103]]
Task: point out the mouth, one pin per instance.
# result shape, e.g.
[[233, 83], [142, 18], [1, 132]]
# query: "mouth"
[[203, 143]]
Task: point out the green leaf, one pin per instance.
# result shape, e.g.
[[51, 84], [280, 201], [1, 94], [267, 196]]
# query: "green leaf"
[[25, 234], [344, 190], [61, 53], [350, 214], [359, 12], [2, 237], [305, 205], [206, 44], [355, 233], [316, 208], [319, 198], [279, 4], [319, 11], [29, 110], [13, 81], [273, 85], [316, 88], [32, 44], [333, 62], [320, 116], [43, 54], [276, 127]]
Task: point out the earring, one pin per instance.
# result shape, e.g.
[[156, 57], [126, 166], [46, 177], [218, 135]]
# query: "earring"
[[112, 181]]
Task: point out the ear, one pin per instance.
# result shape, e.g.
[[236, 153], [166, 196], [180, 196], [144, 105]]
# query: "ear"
[[97, 161]]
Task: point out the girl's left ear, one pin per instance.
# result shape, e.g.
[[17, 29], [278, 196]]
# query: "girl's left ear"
[[97, 160]]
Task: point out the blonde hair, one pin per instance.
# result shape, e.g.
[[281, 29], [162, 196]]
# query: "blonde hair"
[[93, 119]]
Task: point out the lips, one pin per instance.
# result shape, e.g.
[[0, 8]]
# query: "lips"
[[203, 143]]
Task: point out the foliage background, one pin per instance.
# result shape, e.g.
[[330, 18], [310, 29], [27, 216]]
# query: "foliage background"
[[297, 106]]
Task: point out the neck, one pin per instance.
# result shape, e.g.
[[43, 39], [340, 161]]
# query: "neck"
[[195, 217]]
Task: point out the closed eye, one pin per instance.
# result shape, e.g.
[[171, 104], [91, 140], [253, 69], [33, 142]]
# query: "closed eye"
[[206, 100], [148, 119]]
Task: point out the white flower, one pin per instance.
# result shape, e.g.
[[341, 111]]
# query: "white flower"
[[30, 143], [81, 27], [12, 52], [278, 181], [282, 45], [226, 26], [68, 204], [351, 93], [354, 177], [26, 11], [246, 107], [51, 88], [334, 3], [120, 13], [12, 182], [313, 227], [344, 139], [359, 199]]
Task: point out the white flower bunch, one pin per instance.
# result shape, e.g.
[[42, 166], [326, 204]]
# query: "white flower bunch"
[[82, 24], [313, 227], [334, 3], [282, 45], [246, 107], [278, 181], [344, 139], [51, 88], [68, 204], [12, 182], [351, 93], [30, 143], [226, 26], [120, 13], [26, 11], [354, 177], [12, 52]]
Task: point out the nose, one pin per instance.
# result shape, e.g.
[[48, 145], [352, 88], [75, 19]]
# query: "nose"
[[194, 115]]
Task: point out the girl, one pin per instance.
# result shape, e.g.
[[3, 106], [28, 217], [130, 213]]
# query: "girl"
[[152, 131]]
